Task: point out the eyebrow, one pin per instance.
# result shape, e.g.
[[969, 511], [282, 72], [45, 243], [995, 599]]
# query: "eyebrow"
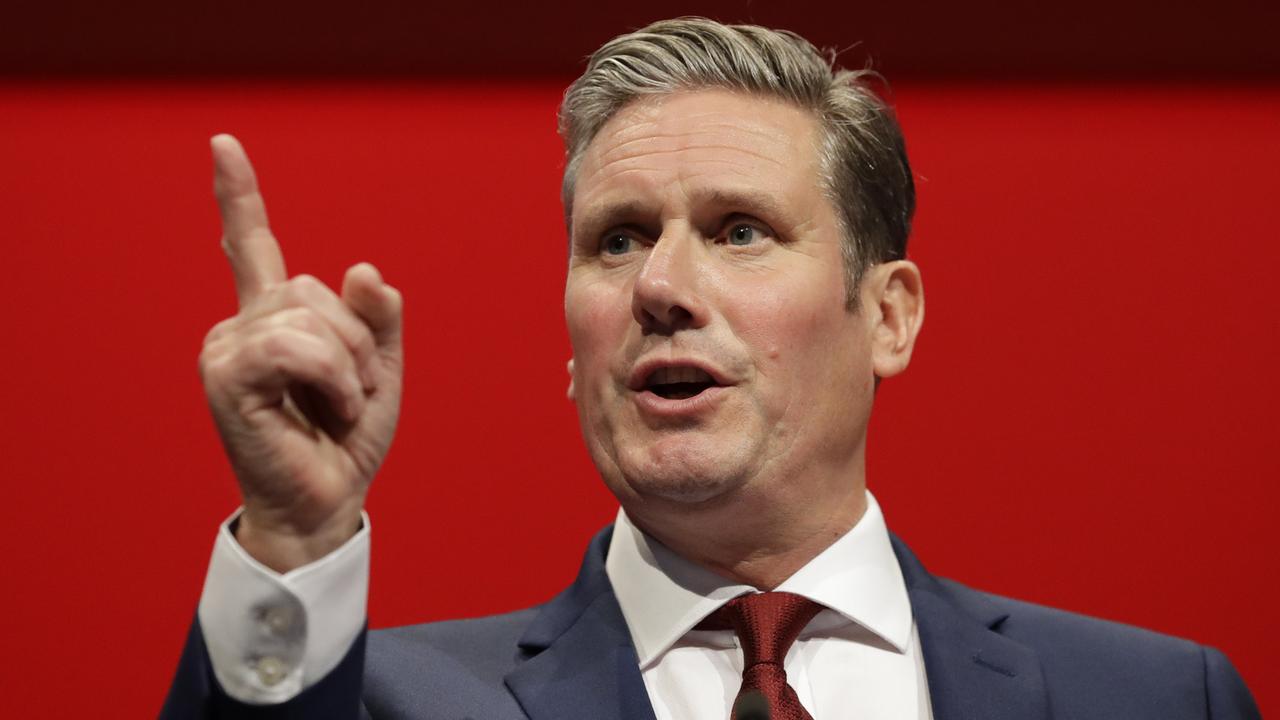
[[633, 211], [611, 214], [749, 201]]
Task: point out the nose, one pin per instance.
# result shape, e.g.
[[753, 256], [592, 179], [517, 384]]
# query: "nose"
[[666, 298]]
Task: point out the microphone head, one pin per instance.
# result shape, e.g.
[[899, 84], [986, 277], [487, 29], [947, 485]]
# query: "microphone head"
[[751, 705]]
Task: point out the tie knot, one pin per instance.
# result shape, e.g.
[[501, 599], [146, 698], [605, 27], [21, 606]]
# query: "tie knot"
[[766, 623]]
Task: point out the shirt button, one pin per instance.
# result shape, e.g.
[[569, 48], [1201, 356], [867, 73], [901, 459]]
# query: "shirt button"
[[271, 670], [278, 620]]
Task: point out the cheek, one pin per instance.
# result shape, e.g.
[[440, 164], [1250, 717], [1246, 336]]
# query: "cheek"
[[597, 322], [787, 323], [802, 340]]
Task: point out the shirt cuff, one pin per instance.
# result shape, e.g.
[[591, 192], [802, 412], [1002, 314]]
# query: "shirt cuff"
[[271, 636]]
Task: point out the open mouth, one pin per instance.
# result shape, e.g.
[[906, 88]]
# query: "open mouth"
[[677, 383]]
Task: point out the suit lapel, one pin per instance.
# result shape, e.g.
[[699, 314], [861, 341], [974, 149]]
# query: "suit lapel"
[[581, 662], [974, 672]]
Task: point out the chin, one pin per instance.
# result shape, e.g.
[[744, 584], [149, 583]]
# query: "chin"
[[684, 490], [681, 475]]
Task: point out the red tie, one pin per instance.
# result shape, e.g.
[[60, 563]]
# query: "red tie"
[[766, 624]]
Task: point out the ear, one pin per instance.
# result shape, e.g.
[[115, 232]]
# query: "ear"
[[894, 298], [569, 367]]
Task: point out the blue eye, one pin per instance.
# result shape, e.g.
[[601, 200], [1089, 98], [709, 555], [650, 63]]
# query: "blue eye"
[[616, 244], [743, 234]]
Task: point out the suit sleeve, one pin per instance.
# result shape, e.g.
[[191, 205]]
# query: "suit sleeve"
[[195, 693], [1226, 696]]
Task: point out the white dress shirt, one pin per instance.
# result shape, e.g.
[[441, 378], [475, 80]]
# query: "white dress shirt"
[[270, 636], [860, 658]]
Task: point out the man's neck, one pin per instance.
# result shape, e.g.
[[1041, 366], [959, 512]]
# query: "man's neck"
[[752, 540]]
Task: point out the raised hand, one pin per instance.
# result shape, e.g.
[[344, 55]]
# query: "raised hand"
[[304, 384]]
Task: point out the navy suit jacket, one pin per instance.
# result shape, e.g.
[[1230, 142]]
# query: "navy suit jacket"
[[986, 658]]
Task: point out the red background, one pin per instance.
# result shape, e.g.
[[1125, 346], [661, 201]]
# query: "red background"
[[1089, 421]]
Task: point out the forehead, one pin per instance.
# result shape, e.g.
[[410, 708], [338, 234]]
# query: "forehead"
[[705, 142]]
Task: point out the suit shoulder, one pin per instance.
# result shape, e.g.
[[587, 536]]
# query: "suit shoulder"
[[1088, 660], [1085, 656], [1054, 630], [1089, 663]]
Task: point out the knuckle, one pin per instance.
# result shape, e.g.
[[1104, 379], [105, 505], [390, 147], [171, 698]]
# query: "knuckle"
[[302, 318], [283, 348], [305, 286], [326, 362], [273, 345], [219, 330], [260, 233], [213, 368]]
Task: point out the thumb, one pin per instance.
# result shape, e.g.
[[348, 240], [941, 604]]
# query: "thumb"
[[377, 303]]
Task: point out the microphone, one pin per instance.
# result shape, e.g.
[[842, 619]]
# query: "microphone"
[[751, 705]]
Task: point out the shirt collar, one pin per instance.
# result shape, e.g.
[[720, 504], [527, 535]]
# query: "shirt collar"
[[663, 596]]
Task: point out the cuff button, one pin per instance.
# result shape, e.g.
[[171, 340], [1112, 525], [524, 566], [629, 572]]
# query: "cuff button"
[[279, 620], [271, 670]]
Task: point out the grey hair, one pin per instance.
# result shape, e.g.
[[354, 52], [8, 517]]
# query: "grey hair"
[[863, 156]]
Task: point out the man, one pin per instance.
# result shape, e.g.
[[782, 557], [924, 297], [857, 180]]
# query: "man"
[[737, 288]]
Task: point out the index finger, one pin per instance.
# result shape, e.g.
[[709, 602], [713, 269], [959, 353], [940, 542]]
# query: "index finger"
[[256, 260]]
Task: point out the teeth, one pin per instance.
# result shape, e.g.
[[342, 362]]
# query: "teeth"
[[684, 374]]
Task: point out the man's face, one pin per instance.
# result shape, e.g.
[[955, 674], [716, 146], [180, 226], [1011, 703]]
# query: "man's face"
[[705, 301]]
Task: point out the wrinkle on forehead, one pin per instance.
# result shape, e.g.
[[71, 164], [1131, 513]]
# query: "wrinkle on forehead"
[[616, 155], [652, 136], [642, 130], [695, 169]]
